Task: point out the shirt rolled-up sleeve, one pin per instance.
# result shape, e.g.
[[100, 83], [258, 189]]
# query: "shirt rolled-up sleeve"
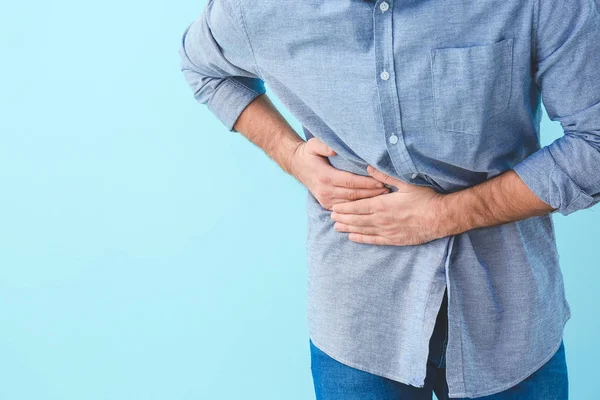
[[566, 173], [218, 63]]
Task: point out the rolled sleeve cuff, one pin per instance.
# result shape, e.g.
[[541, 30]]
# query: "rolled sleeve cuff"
[[547, 180], [232, 96]]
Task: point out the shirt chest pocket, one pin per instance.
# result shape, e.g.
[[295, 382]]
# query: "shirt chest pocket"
[[471, 85]]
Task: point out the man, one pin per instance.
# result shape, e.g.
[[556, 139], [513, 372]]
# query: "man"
[[427, 185]]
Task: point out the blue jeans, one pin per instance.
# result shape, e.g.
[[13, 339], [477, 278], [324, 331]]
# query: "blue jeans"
[[334, 380]]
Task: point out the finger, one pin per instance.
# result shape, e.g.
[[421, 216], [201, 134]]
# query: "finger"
[[354, 219], [362, 206], [354, 181], [316, 146], [367, 230], [369, 239], [355, 194], [380, 176]]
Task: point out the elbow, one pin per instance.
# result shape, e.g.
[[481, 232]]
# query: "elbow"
[[199, 83], [185, 61]]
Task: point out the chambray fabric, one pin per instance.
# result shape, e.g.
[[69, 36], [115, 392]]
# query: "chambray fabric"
[[333, 380], [445, 94]]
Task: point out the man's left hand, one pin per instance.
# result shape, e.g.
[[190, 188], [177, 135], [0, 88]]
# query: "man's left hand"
[[408, 216]]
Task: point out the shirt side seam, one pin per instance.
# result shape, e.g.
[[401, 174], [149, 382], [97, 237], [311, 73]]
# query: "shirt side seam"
[[462, 350]]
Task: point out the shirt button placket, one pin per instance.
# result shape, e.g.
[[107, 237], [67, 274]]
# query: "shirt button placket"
[[390, 104], [390, 107]]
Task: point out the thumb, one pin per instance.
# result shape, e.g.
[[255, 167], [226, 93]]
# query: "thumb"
[[385, 178], [319, 148]]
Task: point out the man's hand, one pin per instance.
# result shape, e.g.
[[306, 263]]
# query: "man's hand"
[[262, 124], [418, 214], [408, 216], [330, 185]]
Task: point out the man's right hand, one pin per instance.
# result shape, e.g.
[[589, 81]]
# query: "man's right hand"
[[330, 185], [261, 123]]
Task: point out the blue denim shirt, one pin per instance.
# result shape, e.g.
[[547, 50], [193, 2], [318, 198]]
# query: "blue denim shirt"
[[435, 93]]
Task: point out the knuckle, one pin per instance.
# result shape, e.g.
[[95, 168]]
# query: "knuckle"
[[322, 192], [323, 179]]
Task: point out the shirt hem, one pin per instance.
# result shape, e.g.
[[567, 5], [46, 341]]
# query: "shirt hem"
[[401, 379], [518, 380], [408, 381]]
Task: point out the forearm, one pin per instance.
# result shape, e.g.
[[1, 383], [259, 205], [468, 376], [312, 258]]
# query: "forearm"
[[504, 198], [262, 124]]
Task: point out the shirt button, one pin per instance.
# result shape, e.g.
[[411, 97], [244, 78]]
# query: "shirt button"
[[385, 75], [414, 175], [384, 6], [393, 139]]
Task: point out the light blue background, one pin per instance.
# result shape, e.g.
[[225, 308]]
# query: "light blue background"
[[145, 251]]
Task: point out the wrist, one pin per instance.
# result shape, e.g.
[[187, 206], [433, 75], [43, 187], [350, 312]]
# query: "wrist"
[[288, 163], [453, 214]]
